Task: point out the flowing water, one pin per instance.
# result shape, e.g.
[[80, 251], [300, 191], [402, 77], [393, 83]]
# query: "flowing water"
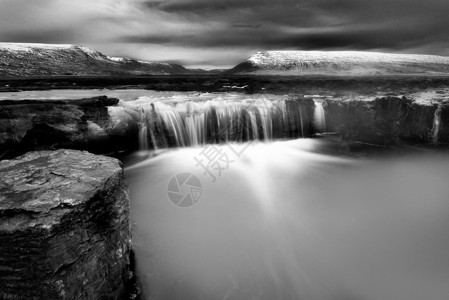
[[276, 219], [183, 119], [298, 219], [193, 123], [436, 124], [319, 117]]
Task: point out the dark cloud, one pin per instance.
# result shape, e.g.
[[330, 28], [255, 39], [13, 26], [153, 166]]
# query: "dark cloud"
[[55, 36], [150, 39], [317, 24], [298, 13], [247, 25], [206, 32], [151, 4], [201, 6]]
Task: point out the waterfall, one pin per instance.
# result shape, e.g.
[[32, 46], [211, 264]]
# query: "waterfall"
[[143, 132], [319, 118], [192, 123], [264, 111], [143, 137], [436, 124]]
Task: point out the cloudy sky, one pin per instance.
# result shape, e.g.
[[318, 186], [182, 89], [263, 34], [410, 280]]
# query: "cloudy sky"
[[221, 33]]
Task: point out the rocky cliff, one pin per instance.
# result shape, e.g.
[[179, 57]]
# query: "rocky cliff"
[[106, 126], [389, 120], [64, 227], [95, 124]]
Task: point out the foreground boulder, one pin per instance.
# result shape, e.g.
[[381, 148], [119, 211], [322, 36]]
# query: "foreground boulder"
[[64, 226], [97, 124]]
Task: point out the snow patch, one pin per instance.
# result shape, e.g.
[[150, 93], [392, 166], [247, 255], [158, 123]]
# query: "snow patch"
[[29, 47], [155, 63], [116, 59], [88, 51]]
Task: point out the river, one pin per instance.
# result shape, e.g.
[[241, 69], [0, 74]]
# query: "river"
[[308, 218], [298, 219]]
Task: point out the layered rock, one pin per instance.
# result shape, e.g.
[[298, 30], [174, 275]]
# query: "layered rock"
[[300, 117], [389, 120], [95, 124], [442, 134], [105, 125], [64, 226]]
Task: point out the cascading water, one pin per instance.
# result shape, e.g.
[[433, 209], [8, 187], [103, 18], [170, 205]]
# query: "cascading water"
[[436, 124], [143, 132], [143, 137], [191, 123], [319, 117]]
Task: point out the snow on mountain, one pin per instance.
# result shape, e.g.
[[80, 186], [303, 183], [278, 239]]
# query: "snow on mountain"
[[27, 59], [341, 63], [29, 47], [117, 59]]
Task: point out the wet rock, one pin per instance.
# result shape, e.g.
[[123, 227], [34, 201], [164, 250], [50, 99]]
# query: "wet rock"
[[442, 136], [299, 117], [386, 120], [64, 226], [86, 124]]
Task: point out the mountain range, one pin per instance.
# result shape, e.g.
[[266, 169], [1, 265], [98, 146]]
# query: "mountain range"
[[26, 60], [341, 63]]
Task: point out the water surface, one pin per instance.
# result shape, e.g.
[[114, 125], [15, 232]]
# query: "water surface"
[[300, 219]]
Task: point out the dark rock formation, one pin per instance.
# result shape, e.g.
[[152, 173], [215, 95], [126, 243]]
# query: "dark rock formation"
[[443, 131], [300, 117], [94, 124], [388, 120], [64, 226], [106, 126]]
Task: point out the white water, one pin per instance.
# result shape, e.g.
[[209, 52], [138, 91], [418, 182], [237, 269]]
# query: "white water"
[[190, 118], [192, 123], [284, 221], [288, 221], [436, 124], [319, 117], [143, 132], [143, 137]]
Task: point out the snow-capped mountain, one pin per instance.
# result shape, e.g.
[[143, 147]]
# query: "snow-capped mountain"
[[341, 63], [22, 60]]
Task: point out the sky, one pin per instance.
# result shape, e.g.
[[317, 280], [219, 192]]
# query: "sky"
[[222, 33]]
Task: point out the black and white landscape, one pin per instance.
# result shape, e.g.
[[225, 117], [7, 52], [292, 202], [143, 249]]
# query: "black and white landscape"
[[221, 149], [340, 63], [23, 60]]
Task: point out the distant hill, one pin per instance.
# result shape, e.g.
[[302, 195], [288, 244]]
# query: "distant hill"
[[24, 60], [340, 63]]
